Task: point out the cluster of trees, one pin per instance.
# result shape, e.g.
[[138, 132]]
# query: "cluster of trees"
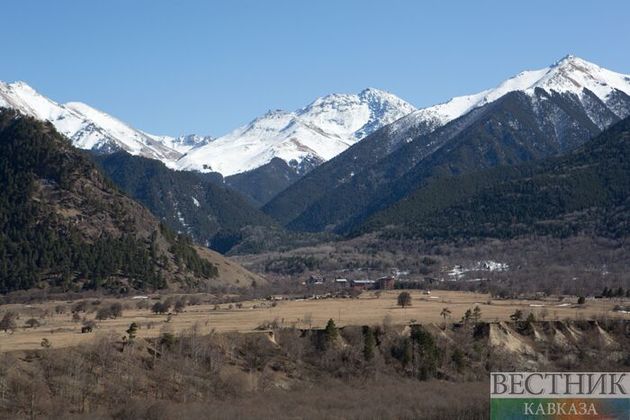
[[185, 255], [177, 304], [63, 259], [472, 315], [619, 292], [292, 265], [112, 311], [191, 368]]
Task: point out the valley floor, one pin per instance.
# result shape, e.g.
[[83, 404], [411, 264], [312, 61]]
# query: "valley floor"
[[369, 309]]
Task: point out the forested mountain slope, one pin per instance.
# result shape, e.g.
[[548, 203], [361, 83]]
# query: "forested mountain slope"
[[188, 202], [63, 225], [586, 191], [531, 116]]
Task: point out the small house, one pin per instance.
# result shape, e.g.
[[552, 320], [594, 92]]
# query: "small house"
[[341, 282], [385, 283], [363, 284]]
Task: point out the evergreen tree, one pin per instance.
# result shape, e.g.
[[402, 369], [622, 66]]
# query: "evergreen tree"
[[369, 343], [331, 333], [132, 331]]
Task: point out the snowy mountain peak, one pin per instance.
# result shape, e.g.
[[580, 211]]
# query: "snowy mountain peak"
[[571, 59], [377, 95], [569, 75], [19, 85], [88, 128], [316, 133]]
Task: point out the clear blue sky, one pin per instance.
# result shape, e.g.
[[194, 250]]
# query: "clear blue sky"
[[174, 67]]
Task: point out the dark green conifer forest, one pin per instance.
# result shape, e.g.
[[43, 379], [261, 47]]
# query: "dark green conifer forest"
[[44, 218]]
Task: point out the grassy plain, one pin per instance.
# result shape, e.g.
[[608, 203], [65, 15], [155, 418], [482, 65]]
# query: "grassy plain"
[[368, 309]]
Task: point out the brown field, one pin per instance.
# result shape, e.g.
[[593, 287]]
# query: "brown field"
[[61, 331]]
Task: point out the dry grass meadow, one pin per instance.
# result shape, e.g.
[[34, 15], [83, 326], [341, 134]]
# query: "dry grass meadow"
[[368, 309]]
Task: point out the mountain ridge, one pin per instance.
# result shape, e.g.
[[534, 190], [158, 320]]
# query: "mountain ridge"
[[585, 191], [402, 156], [314, 133]]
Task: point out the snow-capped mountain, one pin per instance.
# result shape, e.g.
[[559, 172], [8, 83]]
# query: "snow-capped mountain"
[[303, 138], [571, 75], [533, 115], [88, 128]]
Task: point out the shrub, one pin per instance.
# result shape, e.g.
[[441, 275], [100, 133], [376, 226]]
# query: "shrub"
[[142, 304], [517, 315], [404, 299], [167, 340], [103, 314], [32, 323], [160, 307], [79, 306], [116, 310], [194, 300], [180, 305], [8, 322], [88, 323]]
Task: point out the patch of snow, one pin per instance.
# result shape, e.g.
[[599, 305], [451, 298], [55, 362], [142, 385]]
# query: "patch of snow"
[[181, 218], [458, 272]]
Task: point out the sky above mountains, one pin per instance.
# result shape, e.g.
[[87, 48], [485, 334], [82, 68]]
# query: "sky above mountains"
[[208, 67]]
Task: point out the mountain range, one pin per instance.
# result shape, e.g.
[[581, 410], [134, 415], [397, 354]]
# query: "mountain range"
[[303, 138], [533, 115], [344, 159], [259, 159], [87, 127]]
